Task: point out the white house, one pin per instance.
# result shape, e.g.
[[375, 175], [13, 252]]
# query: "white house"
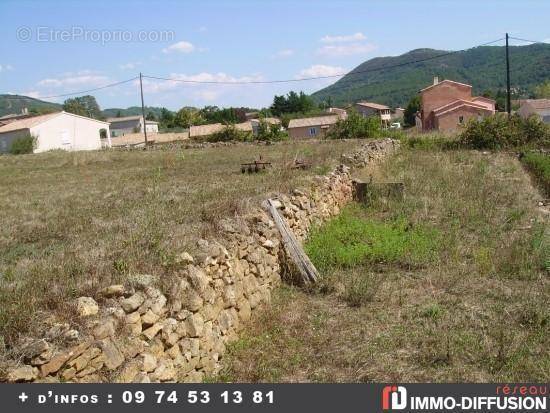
[[60, 130], [368, 109], [538, 107], [131, 124]]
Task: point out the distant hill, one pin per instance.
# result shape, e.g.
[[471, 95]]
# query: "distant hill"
[[15, 103], [482, 67], [131, 111]]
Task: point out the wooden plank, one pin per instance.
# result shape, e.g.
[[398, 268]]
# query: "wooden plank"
[[308, 272]]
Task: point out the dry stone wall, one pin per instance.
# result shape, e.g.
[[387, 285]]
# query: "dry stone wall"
[[154, 330]]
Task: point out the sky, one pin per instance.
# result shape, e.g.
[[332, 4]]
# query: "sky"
[[54, 47]]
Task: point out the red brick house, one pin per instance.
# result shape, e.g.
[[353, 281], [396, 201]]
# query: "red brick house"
[[447, 105]]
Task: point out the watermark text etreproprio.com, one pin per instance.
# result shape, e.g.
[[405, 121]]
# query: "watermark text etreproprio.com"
[[79, 33]]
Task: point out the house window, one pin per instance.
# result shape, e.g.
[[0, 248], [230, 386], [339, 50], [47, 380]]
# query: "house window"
[[65, 139], [312, 131], [461, 120]]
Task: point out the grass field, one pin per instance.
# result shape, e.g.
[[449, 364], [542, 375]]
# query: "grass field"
[[451, 283], [74, 222], [539, 165]]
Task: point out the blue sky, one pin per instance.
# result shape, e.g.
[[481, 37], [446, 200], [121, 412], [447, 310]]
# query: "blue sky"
[[55, 47]]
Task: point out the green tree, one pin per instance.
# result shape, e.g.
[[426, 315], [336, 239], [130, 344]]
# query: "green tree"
[[414, 106], [83, 106], [186, 117], [166, 118], [542, 91], [270, 132], [292, 103]]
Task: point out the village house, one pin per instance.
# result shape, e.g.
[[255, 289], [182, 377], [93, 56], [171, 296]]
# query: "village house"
[[4, 120], [131, 124], [340, 112], [368, 109], [60, 130], [448, 105], [316, 127], [536, 107]]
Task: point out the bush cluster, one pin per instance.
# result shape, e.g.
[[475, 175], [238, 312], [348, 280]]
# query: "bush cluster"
[[22, 145], [499, 132], [355, 126], [230, 133], [270, 132]]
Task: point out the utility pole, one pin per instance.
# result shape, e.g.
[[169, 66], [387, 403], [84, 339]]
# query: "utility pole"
[[143, 109], [508, 98]]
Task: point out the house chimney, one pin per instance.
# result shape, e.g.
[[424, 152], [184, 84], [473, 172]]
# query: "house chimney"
[[436, 80]]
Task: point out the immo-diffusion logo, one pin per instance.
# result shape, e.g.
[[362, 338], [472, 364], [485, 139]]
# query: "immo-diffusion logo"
[[394, 398]]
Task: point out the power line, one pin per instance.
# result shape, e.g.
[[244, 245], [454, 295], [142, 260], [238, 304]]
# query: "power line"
[[90, 90], [247, 82], [244, 82], [529, 41]]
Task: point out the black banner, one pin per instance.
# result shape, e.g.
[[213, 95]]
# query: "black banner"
[[316, 398]]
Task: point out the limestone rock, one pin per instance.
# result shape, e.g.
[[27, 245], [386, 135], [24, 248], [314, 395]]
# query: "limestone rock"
[[152, 331], [115, 290], [149, 362], [195, 325], [132, 303], [142, 281], [35, 348], [112, 355], [105, 328], [184, 258], [60, 359], [149, 318], [165, 371], [22, 374], [86, 306]]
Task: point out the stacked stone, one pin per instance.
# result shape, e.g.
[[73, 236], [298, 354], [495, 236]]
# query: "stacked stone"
[[141, 334], [371, 152]]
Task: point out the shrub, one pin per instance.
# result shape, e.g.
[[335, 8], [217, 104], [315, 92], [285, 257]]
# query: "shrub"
[[22, 145], [499, 132], [230, 133], [270, 132], [355, 126], [539, 165]]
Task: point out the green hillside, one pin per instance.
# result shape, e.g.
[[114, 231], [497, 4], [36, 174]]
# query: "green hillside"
[[131, 111], [482, 67], [15, 103]]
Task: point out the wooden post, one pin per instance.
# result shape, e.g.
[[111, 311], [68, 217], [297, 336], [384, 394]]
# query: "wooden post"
[[143, 109], [307, 270]]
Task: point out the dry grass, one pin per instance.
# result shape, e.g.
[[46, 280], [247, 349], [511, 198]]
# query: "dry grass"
[[74, 222], [479, 312]]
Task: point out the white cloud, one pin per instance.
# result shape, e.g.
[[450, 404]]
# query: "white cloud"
[[180, 47], [346, 49], [32, 93], [157, 86], [199, 93], [82, 78], [321, 70], [356, 37], [129, 65], [282, 54], [5, 68]]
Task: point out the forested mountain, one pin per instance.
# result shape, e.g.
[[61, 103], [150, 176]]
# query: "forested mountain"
[[15, 103], [482, 67]]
